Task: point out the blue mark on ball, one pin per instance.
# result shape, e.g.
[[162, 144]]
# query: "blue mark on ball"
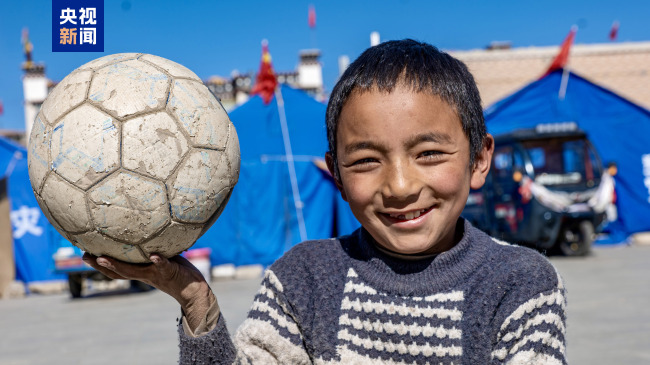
[[191, 211], [79, 158]]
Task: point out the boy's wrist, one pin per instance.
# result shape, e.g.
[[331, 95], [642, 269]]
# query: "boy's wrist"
[[195, 306]]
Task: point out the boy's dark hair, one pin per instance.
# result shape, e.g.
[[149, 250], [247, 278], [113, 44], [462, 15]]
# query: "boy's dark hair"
[[422, 67]]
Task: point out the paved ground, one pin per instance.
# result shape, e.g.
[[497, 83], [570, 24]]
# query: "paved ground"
[[609, 317], [609, 306]]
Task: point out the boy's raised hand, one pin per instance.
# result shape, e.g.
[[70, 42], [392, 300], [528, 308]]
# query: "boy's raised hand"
[[175, 276]]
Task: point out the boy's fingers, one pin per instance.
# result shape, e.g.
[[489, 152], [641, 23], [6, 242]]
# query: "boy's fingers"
[[123, 270], [165, 269], [158, 260], [92, 261], [159, 274], [88, 258], [109, 273]]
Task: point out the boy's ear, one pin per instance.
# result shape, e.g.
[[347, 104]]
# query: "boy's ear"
[[482, 163], [331, 165]]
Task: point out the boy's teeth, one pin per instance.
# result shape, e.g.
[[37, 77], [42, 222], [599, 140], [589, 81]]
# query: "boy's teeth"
[[409, 215]]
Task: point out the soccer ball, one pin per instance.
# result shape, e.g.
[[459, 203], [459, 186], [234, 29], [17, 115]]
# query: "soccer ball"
[[131, 154]]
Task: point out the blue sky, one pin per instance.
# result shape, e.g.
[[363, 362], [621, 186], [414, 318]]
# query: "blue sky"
[[216, 37]]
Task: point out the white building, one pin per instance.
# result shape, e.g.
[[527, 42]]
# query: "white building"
[[307, 76], [35, 90]]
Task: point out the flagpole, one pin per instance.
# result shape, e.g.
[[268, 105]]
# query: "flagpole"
[[564, 83], [313, 38], [565, 71], [290, 164]]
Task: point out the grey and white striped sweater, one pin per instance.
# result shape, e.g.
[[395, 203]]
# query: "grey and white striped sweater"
[[342, 301]]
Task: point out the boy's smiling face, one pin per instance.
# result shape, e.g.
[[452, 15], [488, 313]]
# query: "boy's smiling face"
[[404, 164]]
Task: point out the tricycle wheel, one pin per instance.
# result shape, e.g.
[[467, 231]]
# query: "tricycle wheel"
[[75, 282], [576, 239]]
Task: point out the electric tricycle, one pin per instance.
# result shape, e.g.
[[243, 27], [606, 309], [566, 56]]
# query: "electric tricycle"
[[68, 261], [546, 189]]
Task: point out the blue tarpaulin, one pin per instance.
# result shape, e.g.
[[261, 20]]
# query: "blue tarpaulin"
[[618, 129], [32, 233], [260, 221]]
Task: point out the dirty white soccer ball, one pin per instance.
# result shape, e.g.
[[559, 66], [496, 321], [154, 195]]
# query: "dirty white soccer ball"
[[131, 154]]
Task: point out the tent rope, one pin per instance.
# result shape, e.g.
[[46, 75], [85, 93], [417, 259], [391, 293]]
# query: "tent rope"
[[12, 164], [290, 164]]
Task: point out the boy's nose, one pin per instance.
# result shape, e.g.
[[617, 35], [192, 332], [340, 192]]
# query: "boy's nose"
[[399, 183]]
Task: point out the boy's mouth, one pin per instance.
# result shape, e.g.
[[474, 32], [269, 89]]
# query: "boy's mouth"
[[407, 216]]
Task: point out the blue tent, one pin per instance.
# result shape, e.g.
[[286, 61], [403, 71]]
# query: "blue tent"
[[618, 128], [32, 233], [261, 221]]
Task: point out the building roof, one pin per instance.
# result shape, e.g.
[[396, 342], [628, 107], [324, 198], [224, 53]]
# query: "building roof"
[[621, 67]]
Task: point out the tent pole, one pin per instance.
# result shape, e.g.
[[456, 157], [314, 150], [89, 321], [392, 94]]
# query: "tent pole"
[[290, 164]]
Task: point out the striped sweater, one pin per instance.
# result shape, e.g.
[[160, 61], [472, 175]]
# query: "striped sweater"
[[342, 301]]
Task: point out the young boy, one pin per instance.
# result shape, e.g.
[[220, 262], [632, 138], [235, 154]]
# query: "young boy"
[[416, 284]]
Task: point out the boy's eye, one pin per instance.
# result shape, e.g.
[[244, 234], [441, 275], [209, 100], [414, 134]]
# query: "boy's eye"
[[363, 161], [430, 154]]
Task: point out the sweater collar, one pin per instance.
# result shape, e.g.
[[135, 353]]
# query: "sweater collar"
[[405, 257], [419, 277]]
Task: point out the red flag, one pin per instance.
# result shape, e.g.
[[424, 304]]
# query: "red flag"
[[563, 57], [2, 108], [266, 82], [613, 33], [311, 18]]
